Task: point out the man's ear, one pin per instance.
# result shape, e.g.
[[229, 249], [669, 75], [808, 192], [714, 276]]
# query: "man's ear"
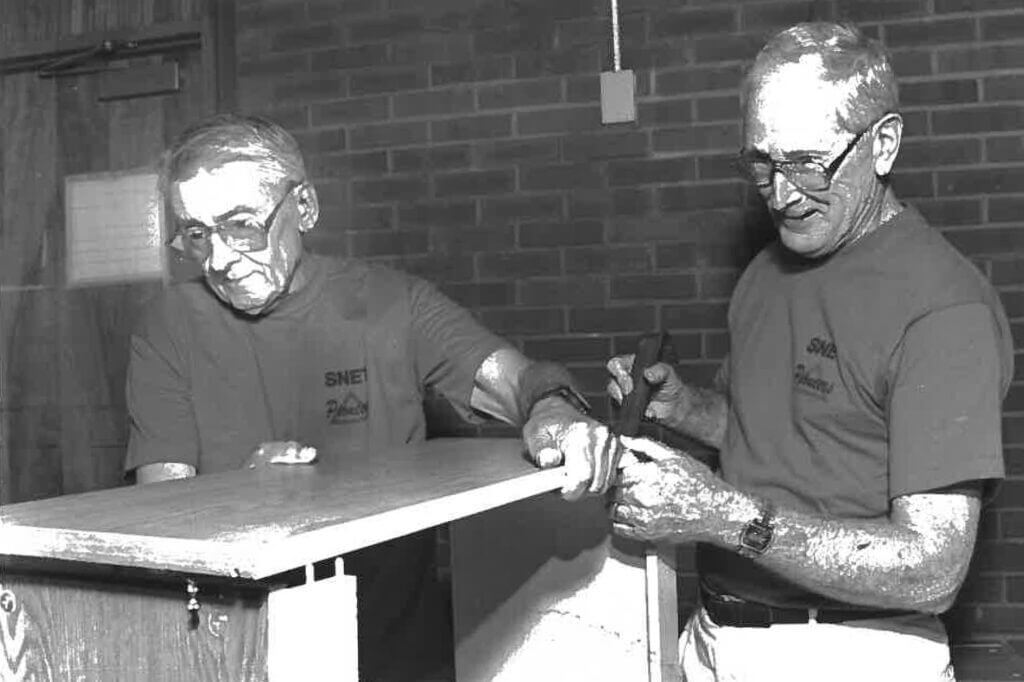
[[887, 143], [309, 206]]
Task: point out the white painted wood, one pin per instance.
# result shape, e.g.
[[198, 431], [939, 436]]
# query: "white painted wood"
[[311, 630], [542, 592], [662, 614]]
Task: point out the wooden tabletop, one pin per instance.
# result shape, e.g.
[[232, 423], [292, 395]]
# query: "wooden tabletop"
[[254, 523]]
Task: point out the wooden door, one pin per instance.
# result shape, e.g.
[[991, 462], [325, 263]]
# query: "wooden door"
[[63, 349]]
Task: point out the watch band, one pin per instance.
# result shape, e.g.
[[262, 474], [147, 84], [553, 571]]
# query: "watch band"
[[566, 393], [756, 537], [543, 380]]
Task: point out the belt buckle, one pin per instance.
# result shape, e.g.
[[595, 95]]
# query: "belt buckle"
[[812, 615]]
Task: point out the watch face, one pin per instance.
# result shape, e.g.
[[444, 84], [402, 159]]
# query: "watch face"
[[756, 536]]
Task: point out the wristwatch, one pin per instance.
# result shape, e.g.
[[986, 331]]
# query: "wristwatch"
[[756, 537], [566, 393], [542, 380]]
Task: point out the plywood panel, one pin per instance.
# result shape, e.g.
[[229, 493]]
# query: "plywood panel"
[[26, 23], [28, 324], [28, 156], [131, 124], [91, 359], [69, 349], [28, 338], [37, 476], [28, 329]]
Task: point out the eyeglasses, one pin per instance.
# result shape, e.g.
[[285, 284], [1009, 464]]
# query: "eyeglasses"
[[245, 234], [807, 174]]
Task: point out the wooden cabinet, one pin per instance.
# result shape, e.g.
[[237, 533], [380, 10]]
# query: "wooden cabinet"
[[80, 621], [96, 586]]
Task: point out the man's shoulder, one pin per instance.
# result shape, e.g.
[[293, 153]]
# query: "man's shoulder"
[[923, 254], [765, 265], [179, 300], [910, 273], [347, 272], [361, 287]]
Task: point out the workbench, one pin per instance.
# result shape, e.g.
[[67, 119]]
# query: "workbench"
[[240, 575]]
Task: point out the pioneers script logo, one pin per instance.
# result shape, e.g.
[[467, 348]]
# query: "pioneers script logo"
[[349, 407], [809, 376]]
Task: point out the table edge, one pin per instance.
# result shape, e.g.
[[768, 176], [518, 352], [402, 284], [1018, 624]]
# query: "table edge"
[[257, 560]]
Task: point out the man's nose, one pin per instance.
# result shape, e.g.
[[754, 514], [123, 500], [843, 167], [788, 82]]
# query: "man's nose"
[[221, 255], [784, 192]]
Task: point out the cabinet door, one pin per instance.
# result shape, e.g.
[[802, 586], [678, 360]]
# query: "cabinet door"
[[63, 627]]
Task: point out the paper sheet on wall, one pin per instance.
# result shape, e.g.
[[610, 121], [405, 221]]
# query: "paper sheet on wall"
[[113, 223]]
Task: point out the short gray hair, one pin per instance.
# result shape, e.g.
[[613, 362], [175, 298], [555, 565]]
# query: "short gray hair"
[[224, 138], [849, 58]]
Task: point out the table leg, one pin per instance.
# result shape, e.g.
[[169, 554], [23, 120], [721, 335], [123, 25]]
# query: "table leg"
[[662, 614], [312, 630]]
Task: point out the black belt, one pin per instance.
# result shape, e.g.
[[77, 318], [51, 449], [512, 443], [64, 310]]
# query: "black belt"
[[746, 614]]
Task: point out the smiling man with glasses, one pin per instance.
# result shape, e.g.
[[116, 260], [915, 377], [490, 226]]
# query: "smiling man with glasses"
[[806, 172], [277, 351], [237, 228], [857, 416], [247, 255]]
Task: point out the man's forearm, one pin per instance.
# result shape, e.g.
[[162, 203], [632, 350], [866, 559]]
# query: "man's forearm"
[[875, 562], [496, 385], [701, 413], [507, 384], [163, 471]]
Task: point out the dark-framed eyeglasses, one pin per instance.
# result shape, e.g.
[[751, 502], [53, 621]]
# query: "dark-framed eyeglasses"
[[245, 234], [807, 174]]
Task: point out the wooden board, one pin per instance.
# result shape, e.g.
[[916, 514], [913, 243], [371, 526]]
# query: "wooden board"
[[257, 522]]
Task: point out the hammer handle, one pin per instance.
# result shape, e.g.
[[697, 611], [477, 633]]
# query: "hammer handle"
[[649, 350]]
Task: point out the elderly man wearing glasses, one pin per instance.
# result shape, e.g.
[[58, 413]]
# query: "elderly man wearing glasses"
[[277, 351], [857, 416]]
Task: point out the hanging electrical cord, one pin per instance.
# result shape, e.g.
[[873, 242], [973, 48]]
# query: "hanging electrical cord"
[[616, 52], [618, 86]]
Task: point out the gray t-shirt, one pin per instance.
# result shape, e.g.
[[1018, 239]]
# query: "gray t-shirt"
[[343, 363], [875, 373]]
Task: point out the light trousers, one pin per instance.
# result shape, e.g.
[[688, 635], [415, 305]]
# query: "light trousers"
[[808, 652]]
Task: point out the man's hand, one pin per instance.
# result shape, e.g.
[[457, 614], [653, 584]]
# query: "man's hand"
[[281, 452], [667, 495], [668, 394], [698, 413], [557, 433]]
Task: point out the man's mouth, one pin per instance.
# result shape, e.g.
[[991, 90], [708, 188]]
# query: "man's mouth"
[[794, 221], [798, 215]]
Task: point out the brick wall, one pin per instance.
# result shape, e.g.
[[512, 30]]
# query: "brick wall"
[[461, 140]]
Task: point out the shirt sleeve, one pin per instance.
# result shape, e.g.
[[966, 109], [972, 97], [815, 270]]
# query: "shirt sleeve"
[[161, 421], [449, 345], [944, 401]]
